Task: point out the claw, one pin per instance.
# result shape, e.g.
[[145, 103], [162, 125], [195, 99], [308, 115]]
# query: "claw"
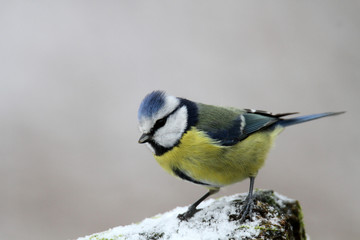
[[192, 209], [188, 214], [249, 202], [247, 208]]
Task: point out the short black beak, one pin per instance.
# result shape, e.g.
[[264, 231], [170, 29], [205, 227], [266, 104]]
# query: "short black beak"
[[144, 138]]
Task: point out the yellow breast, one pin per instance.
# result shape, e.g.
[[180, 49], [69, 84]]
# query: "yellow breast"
[[204, 160]]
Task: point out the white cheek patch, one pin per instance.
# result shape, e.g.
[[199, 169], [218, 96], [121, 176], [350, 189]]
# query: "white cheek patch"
[[171, 132]]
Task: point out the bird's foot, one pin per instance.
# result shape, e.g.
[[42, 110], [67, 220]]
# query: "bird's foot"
[[188, 214], [247, 208]]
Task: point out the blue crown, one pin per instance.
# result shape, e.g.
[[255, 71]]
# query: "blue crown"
[[151, 104]]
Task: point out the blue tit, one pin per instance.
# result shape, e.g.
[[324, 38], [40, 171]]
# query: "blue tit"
[[210, 145]]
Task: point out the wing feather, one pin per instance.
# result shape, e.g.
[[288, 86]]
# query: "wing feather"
[[239, 126]]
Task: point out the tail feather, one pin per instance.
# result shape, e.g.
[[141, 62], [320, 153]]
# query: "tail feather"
[[301, 119]]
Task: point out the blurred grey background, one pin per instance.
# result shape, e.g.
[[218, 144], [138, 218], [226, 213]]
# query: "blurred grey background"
[[74, 72]]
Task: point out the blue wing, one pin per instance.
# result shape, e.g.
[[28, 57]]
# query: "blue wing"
[[244, 125]]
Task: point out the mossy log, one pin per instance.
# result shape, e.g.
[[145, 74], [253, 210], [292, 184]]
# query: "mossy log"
[[274, 217]]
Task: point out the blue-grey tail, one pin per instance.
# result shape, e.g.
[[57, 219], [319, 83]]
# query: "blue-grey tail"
[[301, 119]]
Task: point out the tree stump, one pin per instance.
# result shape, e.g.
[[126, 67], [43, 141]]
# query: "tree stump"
[[274, 217]]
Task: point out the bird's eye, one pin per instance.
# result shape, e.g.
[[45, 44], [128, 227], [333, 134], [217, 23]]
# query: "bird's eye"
[[160, 123]]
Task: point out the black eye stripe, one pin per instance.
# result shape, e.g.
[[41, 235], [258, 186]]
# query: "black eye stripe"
[[162, 121]]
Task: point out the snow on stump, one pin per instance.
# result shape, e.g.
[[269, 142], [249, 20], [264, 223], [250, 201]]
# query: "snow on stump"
[[274, 217]]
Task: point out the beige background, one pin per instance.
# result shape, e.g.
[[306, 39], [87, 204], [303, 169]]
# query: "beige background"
[[74, 72]]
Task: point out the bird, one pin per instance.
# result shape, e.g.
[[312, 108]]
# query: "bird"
[[209, 145]]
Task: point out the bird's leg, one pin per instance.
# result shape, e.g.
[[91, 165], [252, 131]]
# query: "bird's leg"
[[192, 209], [249, 202]]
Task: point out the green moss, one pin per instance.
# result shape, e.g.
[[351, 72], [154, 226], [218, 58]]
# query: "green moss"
[[93, 236], [296, 220], [289, 217], [266, 196], [97, 237], [271, 228]]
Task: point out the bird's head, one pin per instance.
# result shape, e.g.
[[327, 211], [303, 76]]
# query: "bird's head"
[[163, 119]]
